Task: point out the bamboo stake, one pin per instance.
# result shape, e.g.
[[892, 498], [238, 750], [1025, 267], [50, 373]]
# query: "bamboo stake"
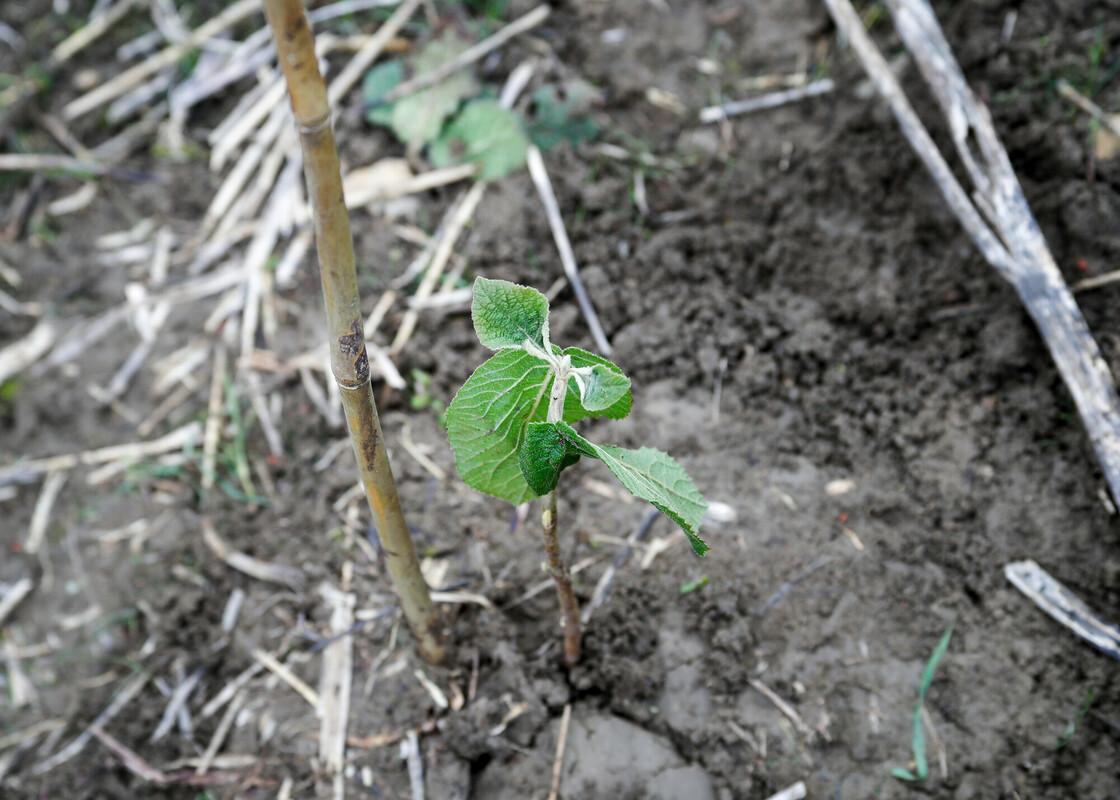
[[295, 45]]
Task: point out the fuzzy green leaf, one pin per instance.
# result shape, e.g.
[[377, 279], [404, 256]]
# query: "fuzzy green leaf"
[[418, 118], [507, 314], [917, 735], [602, 388], [377, 83], [559, 114], [544, 454], [576, 408], [487, 418], [688, 587], [485, 134], [648, 474]]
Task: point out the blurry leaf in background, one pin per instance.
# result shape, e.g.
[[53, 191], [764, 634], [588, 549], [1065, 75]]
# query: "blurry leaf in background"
[[559, 114], [485, 134], [418, 118], [377, 83], [493, 9]]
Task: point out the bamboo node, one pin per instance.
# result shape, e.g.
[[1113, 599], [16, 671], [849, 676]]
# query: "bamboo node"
[[356, 384], [316, 125]]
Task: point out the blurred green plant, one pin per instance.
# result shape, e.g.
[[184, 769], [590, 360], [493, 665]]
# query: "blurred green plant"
[[918, 738]]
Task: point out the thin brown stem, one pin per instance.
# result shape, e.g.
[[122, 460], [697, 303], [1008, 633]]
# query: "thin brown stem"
[[569, 605], [295, 46]]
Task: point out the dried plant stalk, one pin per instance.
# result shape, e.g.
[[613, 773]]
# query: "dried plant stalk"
[[295, 45]]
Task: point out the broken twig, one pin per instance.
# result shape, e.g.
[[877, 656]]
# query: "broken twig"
[[561, 744], [25, 471], [470, 55], [1064, 606], [540, 178], [254, 568], [763, 102]]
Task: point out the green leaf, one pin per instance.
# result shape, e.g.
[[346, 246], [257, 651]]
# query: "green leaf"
[[934, 660], [646, 473], [918, 745], [486, 421], [917, 736], [377, 83], [559, 114], [575, 408], [507, 314], [9, 389], [485, 134], [688, 587], [488, 8], [602, 388], [418, 118], [544, 454]]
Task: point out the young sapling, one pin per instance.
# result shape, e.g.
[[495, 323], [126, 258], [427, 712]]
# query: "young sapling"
[[510, 426]]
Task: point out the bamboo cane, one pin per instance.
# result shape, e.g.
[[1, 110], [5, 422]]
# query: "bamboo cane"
[[295, 46]]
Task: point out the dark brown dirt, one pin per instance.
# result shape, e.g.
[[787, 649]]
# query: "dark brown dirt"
[[804, 263]]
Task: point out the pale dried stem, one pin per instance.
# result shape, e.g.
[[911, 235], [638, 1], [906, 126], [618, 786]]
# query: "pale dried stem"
[[471, 54], [290, 577], [766, 101], [335, 682], [1064, 606], [41, 516], [161, 60], [82, 37], [214, 413], [116, 705], [1109, 121], [21, 354], [539, 174], [281, 671], [220, 733], [28, 470], [49, 162], [457, 220], [561, 745], [14, 596]]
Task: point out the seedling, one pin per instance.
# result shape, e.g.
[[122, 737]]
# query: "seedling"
[[510, 426], [1071, 726], [688, 587], [918, 738]]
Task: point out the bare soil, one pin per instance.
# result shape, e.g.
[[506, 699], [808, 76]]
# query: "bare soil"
[[798, 308]]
